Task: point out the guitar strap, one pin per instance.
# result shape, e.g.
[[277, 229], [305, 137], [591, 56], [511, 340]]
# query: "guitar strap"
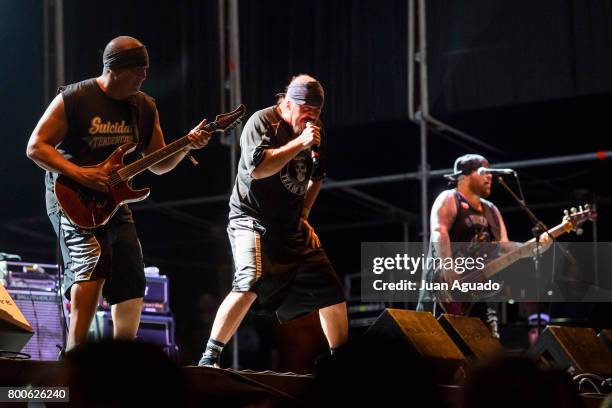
[[143, 111]]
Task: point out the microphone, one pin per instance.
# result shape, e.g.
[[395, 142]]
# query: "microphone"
[[314, 149], [494, 172]]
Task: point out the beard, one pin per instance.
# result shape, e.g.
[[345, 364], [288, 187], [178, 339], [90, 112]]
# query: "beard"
[[480, 188], [485, 191]]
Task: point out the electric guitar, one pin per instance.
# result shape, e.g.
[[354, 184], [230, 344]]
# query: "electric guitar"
[[88, 208], [572, 220]]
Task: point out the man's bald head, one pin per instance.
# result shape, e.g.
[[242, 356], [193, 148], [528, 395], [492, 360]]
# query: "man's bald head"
[[124, 52], [121, 43]]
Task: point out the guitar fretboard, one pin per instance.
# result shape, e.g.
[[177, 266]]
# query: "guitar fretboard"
[[509, 258], [141, 165]]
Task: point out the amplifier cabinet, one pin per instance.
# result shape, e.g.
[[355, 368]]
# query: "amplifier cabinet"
[[155, 298], [154, 329], [42, 310]]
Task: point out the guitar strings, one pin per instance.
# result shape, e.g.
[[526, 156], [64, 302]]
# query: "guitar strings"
[[136, 167]]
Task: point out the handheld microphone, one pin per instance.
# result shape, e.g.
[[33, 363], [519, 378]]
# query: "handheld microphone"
[[314, 149], [495, 172]]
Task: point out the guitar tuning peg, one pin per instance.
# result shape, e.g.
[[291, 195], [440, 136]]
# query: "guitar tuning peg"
[[580, 209], [587, 207], [579, 231], [573, 210]]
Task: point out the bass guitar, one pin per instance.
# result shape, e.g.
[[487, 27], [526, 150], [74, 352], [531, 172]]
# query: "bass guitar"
[[572, 220]]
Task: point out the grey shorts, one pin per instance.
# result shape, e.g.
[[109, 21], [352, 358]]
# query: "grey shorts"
[[111, 252], [289, 278]]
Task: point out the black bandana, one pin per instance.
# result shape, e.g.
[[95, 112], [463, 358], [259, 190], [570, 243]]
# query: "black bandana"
[[134, 57], [309, 93]]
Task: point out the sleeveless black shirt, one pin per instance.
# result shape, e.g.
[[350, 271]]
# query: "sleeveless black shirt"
[[472, 225], [97, 125], [469, 226]]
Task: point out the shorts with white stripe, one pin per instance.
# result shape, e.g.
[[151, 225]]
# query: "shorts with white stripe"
[[289, 278], [111, 252]]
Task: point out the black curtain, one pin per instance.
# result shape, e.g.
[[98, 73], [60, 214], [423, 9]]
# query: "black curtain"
[[487, 53], [481, 53], [357, 49], [21, 87]]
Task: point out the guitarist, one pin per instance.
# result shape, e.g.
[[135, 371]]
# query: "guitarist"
[[82, 126], [462, 214]]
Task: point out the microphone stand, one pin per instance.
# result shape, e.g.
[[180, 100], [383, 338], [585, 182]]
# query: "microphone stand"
[[538, 229]]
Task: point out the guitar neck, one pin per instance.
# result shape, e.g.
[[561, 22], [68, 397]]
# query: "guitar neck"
[[152, 159], [522, 251], [555, 232]]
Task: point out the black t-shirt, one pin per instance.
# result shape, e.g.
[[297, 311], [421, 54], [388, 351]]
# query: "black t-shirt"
[[472, 225], [97, 125], [276, 201]]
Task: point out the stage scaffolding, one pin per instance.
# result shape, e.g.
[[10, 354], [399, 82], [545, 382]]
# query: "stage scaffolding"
[[53, 47]]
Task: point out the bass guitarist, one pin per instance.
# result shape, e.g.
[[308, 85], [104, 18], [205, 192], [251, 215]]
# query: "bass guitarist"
[[462, 214], [82, 126]]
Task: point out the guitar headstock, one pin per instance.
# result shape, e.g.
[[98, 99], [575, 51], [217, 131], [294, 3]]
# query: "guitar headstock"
[[227, 121], [575, 217]]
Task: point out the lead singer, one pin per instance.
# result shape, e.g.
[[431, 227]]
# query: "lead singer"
[[280, 266]]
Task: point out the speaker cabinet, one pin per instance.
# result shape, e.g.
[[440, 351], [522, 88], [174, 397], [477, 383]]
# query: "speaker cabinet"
[[153, 328], [425, 337], [573, 349], [471, 335]]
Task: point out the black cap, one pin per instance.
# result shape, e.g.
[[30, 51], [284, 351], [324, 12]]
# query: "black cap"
[[466, 164]]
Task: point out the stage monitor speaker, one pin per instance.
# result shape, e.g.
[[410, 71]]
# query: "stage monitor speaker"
[[15, 330], [573, 349], [425, 337], [471, 335]]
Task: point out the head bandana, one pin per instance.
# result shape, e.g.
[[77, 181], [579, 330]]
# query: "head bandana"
[[309, 93], [134, 57]]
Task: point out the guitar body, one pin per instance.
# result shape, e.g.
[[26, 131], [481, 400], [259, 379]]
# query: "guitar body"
[[456, 304], [88, 208]]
